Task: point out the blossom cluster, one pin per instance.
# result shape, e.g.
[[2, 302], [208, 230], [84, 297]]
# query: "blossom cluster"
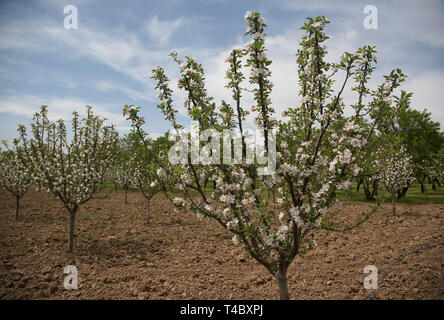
[[164, 96], [235, 77], [433, 168], [15, 174], [260, 73], [144, 176], [122, 174], [71, 170], [396, 170], [199, 105]]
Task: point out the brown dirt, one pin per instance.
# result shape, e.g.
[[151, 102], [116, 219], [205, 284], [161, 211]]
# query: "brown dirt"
[[177, 256]]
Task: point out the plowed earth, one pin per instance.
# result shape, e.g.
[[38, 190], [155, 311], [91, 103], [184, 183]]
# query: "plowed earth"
[[177, 256]]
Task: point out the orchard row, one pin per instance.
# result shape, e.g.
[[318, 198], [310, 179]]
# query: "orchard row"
[[319, 150]]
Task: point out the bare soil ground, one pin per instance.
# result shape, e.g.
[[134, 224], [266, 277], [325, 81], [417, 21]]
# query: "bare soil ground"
[[177, 256]]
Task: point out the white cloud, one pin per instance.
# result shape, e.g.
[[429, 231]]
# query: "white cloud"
[[121, 50], [161, 31], [58, 108], [125, 52], [22, 35], [66, 82], [103, 86], [427, 93]]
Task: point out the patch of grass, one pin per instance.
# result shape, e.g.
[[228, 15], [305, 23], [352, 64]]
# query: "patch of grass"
[[49, 218], [128, 236], [173, 220], [18, 247], [413, 196], [210, 234], [100, 225], [83, 216], [176, 236], [109, 186], [102, 195]]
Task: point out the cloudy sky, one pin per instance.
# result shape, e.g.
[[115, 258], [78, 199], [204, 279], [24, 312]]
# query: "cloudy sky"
[[107, 61]]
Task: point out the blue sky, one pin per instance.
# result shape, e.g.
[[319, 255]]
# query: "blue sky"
[[106, 62]]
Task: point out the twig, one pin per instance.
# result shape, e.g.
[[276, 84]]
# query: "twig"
[[245, 89], [440, 281], [360, 221], [372, 295]]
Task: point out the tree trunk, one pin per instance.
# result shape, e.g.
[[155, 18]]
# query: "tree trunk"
[[393, 203], [17, 203], [375, 189], [425, 193], [148, 202], [72, 216], [126, 197], [366, 191], [370, 191], [422, 186], [115, 186], [401, 194], [434, 186], [282, 282]]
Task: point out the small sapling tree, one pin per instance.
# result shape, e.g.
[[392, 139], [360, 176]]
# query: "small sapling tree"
[[122, 172], [143, 168], [72, 169], [435, 169], [15, 174], [396, 172], [123, 175], [145, 179], [367, 177]]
